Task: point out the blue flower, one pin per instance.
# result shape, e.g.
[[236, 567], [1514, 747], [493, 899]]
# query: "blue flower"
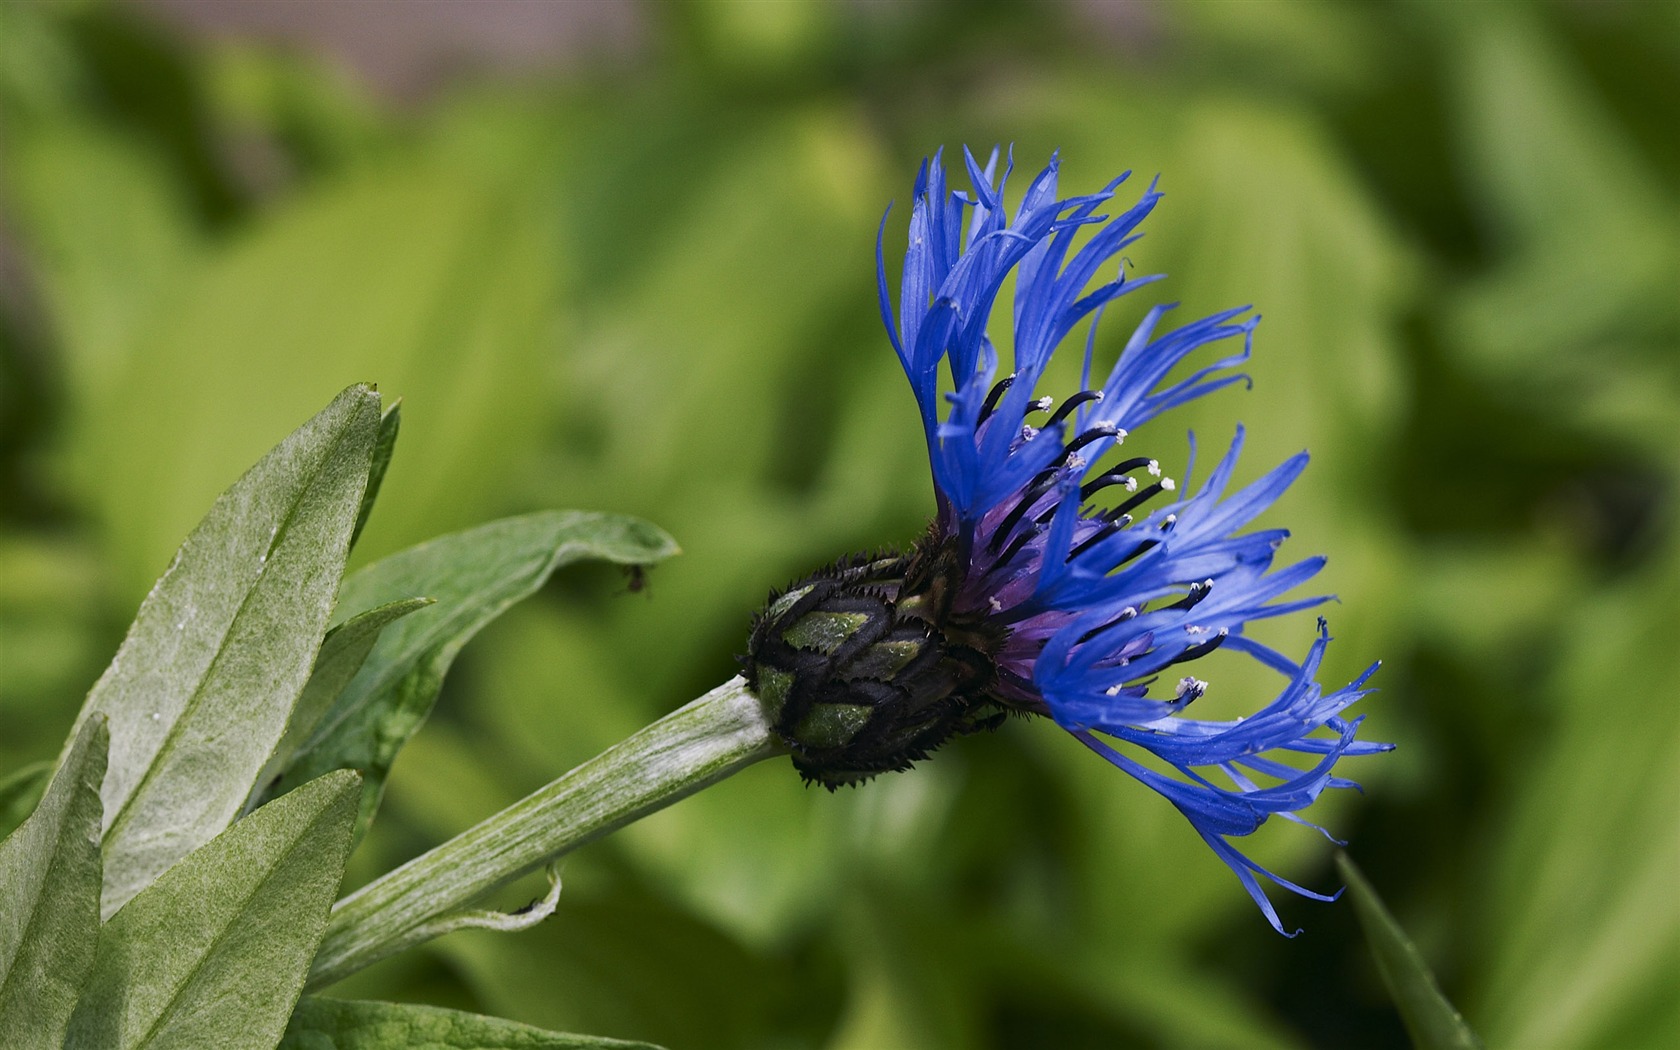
[[1061, 576], [1101, 601]]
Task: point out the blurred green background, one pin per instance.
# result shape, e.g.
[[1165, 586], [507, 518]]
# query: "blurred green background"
[[620, 257]]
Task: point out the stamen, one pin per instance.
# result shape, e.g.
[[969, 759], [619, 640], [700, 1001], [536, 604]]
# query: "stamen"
[[1116, 476], [995, 396], [1014, 547], [1168, 484], [1036, 488], [1196, 652], [1198, 591], [1129, 612], [1096, 433], [1139, 549], [1189, 690], [1108, 529], [1140, 498], [1072, 403]]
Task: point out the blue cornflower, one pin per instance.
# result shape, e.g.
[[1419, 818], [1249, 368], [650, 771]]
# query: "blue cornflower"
[[1060, 577]]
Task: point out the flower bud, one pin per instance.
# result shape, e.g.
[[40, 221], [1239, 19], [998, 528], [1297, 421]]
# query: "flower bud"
[[854, 683]]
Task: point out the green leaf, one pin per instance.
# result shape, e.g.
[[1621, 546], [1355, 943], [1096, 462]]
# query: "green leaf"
[[49, 900], [474, 575], [1433, 1022], [213, 953], [343, 652], [227, 638], [20, 792], [341, 1024], [383, 446]]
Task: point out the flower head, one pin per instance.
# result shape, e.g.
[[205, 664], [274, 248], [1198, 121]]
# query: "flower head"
[[1062, 576]]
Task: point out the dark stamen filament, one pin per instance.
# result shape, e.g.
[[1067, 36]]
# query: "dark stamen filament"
[[1035, 490], [1137, 499], [1116, 476], [1198, 591], [1096, 433], [1014, 547], [1108, 529], [1125, 614], [1196, 652], [1072, 403], [1139, 549], [995, 396]]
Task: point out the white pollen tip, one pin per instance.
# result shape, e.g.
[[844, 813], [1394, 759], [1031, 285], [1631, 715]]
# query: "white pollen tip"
[[1076, 464], [1131, 484], [996, 605], [1191, 687], [1119, 435], [1113, 690], [1168, 484], [1154, 468], [1043, 404], [1028, 433]]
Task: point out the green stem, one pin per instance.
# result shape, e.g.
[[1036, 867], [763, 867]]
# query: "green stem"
[[691, 748]]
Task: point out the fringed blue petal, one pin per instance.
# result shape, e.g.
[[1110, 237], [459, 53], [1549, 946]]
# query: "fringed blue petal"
[[1236, 748], [1101, 605]]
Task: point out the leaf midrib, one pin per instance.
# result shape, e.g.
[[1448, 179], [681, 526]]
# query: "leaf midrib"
[[120, 820], [191, 974]]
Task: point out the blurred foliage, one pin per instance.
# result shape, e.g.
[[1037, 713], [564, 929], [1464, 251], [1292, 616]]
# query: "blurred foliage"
[[647, 288]]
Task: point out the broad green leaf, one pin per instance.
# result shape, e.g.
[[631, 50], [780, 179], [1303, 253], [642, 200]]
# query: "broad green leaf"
[[213, 953], [383, 446], [49, 900], [20, 792], [343, 652], [474, 575], [227, 639], [1433, 1022], [343, 1024]]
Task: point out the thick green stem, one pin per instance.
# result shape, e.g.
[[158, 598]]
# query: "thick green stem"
[[697, 745]]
